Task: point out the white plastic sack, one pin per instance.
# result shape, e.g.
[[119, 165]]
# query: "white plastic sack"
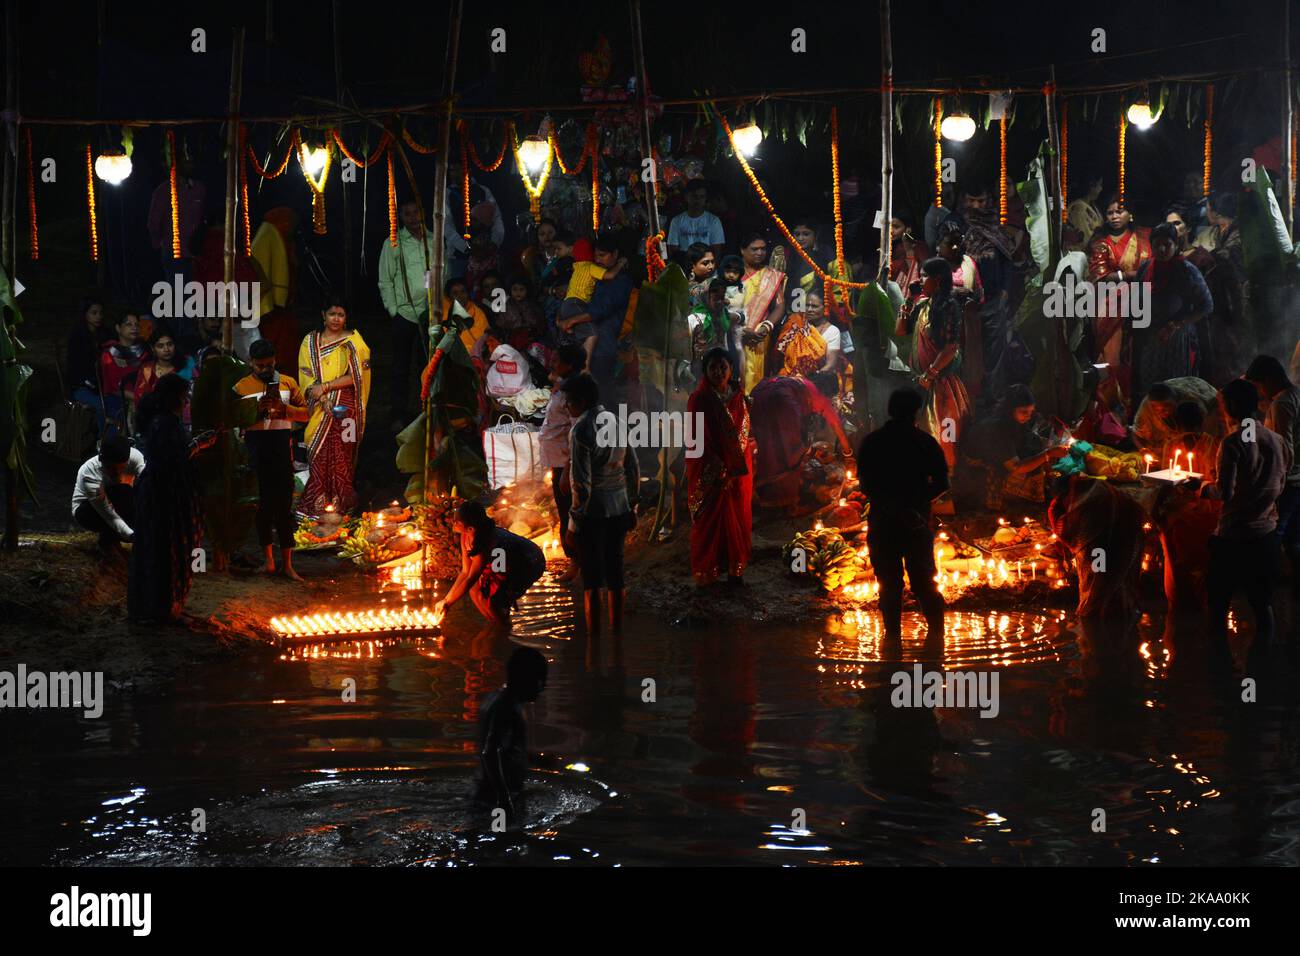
[[509, 372], [513, 451]]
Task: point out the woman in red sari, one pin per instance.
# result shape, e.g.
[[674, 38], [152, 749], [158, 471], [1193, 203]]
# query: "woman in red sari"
[[720, 481], [936, 320]]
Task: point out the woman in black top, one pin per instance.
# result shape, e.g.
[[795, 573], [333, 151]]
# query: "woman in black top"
[[85, 344], [496, 566]]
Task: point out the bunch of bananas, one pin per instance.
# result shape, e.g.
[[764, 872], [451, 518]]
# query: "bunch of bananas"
[[835, 565], [435, 521], [365, 549], [825, 555]]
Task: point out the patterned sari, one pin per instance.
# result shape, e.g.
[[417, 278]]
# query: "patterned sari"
[[720, 485], [332, 441], [762, 288], [1106, 256], [948, 406], [801, 346]]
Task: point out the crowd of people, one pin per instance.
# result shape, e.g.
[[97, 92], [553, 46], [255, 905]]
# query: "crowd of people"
[[769, 368]]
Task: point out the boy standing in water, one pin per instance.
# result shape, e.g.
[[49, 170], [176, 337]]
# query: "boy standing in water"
[[503, 752]]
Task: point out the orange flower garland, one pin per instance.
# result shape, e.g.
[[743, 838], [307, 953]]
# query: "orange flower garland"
[[31, 200], [827, 280], [284, 164], [654, 262], [595, 178], [938, 152], [317, 186], [840, 266], [362, 163], [175, 200], [1209, 138], [426, 150], [1123, 135], [1065, 156], [90, 205], [1002, 170], [493, 166], [464, 172], [582, 157], [243, 196], [392, 202]]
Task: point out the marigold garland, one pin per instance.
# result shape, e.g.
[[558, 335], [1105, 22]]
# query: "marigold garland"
[[243, 196], [1002, 170], [31, 200], [654, 261], [835, 201], [1290, 197], [464, 173], [317, 186], [582, 157], [827, 280], [595, 180], [175, 199], [1123, 135], [361, 163], [534, 190], [938, 153], [410, 141], [1065, 157], [90, 205], [493, 166], [1209, 138], [284, 164], [392, 202]]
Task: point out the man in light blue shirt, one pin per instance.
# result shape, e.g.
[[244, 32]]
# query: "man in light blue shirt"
[[402, 288], [696, 224]]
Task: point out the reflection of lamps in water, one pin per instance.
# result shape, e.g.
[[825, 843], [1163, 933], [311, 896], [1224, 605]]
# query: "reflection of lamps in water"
[[1140, 115], [746, 139], [533, 151], [957, 127], [113, 168]]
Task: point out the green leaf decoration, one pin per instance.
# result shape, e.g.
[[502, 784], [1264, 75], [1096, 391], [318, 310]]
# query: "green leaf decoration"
[[15, 378]]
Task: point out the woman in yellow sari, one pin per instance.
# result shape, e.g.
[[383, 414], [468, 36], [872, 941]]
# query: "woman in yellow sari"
[[334, 372], [764, 302]]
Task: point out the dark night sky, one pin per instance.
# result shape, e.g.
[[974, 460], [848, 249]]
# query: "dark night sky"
[[393, 54]]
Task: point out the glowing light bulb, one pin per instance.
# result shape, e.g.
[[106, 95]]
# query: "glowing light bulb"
[[533, 151], [957, 127], [746, 139], [113, 168], [1139, 114]]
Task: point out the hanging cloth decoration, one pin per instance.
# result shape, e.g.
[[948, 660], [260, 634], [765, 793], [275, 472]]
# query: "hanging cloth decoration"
[[1123, 136], [938, 152], [1065, 157], [317, 185], [1002, 170], [173, 194], [31, 200], [534, 189], [1209, 139], [90, 205]]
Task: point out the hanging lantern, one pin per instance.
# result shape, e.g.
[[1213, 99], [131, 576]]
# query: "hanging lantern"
[[314, 159], [746, 139], [957, 127], [533, 153], [1140, 115], [113, 168]]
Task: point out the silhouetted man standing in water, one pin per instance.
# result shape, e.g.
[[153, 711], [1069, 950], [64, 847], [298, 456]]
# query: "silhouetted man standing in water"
[[503, 753], [902, 470]]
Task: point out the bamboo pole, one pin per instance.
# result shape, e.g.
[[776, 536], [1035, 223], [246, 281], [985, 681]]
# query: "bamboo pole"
[[886, 139], [232, 180], [652, 213], [1054, 170], [437, 266], [1288, 121], [9, 255], [349, 267]]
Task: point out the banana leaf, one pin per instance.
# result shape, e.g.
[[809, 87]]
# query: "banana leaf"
[[15, 377], [453, 397], [659, 323], [227, 482]]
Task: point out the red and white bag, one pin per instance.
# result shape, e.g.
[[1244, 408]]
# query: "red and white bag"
[[513, 451], [509, 372]]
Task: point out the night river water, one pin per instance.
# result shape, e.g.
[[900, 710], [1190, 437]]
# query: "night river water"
[[763, 745]]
